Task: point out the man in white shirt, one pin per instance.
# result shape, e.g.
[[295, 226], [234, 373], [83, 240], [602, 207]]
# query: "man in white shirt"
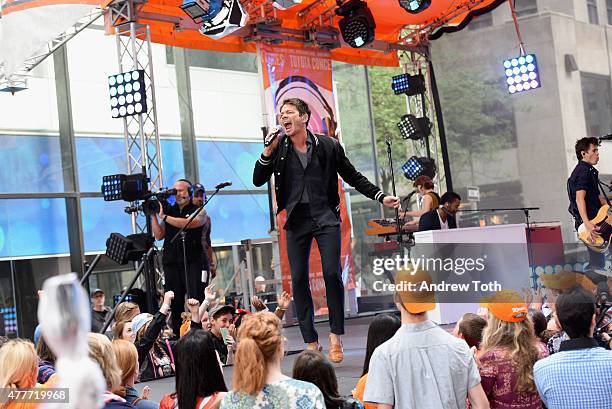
[[422, 366]]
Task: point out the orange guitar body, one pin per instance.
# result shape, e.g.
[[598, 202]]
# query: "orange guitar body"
[[604, 220]]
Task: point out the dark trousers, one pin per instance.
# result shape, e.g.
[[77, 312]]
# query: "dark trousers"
[[174, 275], [596, 260], [299, 240]]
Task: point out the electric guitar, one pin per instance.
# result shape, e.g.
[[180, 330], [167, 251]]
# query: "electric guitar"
[[604, 220]]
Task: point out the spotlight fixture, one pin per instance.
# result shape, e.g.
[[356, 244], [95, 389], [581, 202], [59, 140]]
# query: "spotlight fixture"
[[200, 10], [414, 6], [408, 84], [415, 167], [414, 128], [127, 94], [122, 249], [124, 187], [522, 73], [285, 4], [230, 17], [357, 24]]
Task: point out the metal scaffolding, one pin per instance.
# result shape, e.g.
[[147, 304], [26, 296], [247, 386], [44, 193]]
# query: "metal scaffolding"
[[142, 144], [143, 150]]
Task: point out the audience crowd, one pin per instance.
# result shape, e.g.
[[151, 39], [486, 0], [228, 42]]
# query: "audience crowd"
[[550, 349]]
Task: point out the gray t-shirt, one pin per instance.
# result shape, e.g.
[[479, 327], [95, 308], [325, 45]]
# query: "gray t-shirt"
[[304, 159], [421, 367]]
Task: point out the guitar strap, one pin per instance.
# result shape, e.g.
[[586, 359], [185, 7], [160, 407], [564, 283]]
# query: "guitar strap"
[[603, 192]]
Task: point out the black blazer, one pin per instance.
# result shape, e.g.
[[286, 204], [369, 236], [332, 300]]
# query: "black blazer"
[[431, 221], [334, 162]]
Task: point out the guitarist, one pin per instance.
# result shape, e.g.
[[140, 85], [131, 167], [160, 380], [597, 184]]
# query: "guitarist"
[[585, 194]]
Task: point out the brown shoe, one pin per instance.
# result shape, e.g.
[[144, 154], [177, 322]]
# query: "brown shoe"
[[336, 353], [315, 346]]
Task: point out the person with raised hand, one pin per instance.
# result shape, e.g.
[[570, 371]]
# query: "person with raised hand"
[[155, 353]]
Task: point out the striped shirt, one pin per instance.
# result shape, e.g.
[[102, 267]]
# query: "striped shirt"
[[579, 376]]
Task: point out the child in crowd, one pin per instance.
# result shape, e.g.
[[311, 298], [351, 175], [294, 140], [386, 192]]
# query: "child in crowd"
[[312, 366]]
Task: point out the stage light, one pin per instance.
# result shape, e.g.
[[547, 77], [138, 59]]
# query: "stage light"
[[414, 128], [201, 9], [125, 89], [357, 24], [415, 167], [414, 6], [230, 17], [285, 4], [122, 249], [522, 73], [408, 84], [124, 187]]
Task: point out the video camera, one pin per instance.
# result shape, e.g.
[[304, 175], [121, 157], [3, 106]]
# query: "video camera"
[[152, 202], [134, 188]]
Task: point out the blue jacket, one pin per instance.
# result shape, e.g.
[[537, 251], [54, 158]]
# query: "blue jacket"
[[131, 395]]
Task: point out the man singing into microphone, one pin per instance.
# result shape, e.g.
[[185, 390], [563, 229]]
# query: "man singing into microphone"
[[306, 169], [173, 259]]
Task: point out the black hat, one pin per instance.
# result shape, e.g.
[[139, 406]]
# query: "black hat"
[[198, 187], [96, 291]]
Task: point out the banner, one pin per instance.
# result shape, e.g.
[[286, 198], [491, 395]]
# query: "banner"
[[307, 74]]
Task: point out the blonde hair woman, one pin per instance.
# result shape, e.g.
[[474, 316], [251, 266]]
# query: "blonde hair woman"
[[18, 368], [509, 350], [127, 361], [258, 381], [126, 311], [101, 351]]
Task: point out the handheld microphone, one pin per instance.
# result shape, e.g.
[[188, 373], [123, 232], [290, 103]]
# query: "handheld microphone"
[[277, 130], [222, 185], [607, 137]]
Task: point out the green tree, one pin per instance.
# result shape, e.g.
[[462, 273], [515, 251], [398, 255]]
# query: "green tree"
[[478, 115], [387, 110]]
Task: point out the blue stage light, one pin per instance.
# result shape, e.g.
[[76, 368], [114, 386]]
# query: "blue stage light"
[[415, 167], [408, 84], [414, 128], [522, 74]]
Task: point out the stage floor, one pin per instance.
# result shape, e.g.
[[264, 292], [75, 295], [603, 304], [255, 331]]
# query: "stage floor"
[[348, 371]]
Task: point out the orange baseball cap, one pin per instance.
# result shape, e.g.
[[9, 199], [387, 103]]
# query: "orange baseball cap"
[[506, 305], [415, 301], [566, 280]]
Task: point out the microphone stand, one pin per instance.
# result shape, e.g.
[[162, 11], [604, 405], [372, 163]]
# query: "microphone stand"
[[182, 233], [388, 142]]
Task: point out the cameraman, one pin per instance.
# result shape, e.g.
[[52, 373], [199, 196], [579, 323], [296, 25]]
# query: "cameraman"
[[170, 221]]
